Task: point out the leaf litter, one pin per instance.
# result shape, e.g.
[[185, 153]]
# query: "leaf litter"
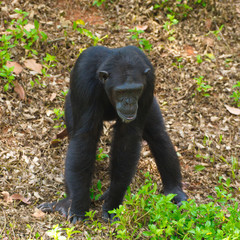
[[199, 126]]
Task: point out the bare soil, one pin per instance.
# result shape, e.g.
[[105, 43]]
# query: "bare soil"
[[32, 165]]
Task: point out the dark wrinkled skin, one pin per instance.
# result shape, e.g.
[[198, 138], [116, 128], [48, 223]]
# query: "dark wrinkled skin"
[[113, 84]]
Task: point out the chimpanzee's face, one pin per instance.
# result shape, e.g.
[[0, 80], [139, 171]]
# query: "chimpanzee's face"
[[124, 90]]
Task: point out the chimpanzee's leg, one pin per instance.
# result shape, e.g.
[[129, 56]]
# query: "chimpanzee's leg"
[[124, 157], [163, 151], [79, 165]]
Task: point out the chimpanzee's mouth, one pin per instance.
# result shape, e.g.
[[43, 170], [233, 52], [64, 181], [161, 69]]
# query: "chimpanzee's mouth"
[[126, 118]]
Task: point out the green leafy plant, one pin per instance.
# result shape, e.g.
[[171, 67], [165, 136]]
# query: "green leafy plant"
[[7, 74], [96, 189], [178, 62], [57, 232], [162, 219], [143, 43], [199, 59], [59, 115], [101, 156], [79, 26], [98, 3], [216, 32], [202, 86], [27, 37], [236, 93], [168, 24]]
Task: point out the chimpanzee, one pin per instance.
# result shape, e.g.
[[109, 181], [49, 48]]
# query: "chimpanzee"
[[113, 84]]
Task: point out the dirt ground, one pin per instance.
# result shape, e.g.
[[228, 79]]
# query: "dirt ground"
[[202, 129]]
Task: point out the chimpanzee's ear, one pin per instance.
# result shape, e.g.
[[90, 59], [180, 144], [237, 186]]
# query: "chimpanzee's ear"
[[147, 70], [103, 76]]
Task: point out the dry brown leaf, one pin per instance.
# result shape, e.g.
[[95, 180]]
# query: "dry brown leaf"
[[189, 50], [62, 134], [33, 65], [29, 27], [53, 96], [17, 196], [208, 41], [38, 213], [232, 110], [142, 27], [6, 197], [208, 23], [19, 90], [17, 67]]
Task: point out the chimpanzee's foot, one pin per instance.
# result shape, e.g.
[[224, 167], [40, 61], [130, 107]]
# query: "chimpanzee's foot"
[[64, 208], [181, 196]]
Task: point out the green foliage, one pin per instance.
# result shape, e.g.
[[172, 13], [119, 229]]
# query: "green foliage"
[[79, 26], [216, 32], [28, 38], [96, 191], [59, 115], [202, 86], [236, 93], [98, 3], [57, 232], [143, 43], [7, 74], [19, 36], [162, 219], [101, 156]]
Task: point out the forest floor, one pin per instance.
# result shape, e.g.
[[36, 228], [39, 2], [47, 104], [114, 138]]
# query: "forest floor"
[[205, 130]]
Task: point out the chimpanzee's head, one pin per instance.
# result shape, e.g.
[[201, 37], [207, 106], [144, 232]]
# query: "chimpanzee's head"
[[124, 81]]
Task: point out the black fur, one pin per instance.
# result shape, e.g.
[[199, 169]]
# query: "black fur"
[[108, 84]]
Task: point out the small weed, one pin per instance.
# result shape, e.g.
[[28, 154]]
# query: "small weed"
[[95, 39], [7, 74], [178, 63], [199, 59], [234, 165], [168, 24], [216, 32], [101, 156], [143, 43], [236, 93], [94, 189], [203, 87], [98, 3], [59, 114], [27, 37], [57, 232]]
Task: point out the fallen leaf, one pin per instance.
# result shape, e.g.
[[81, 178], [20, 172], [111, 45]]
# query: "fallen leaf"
[[232, 110], [208, 23], [29, 27], [6, 197], [38, 213], [17, 67], [62, 134], [33, 65], [142, 27], [19, 90], [53, 96], [17, 196], [189, 50], [208, 41]]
